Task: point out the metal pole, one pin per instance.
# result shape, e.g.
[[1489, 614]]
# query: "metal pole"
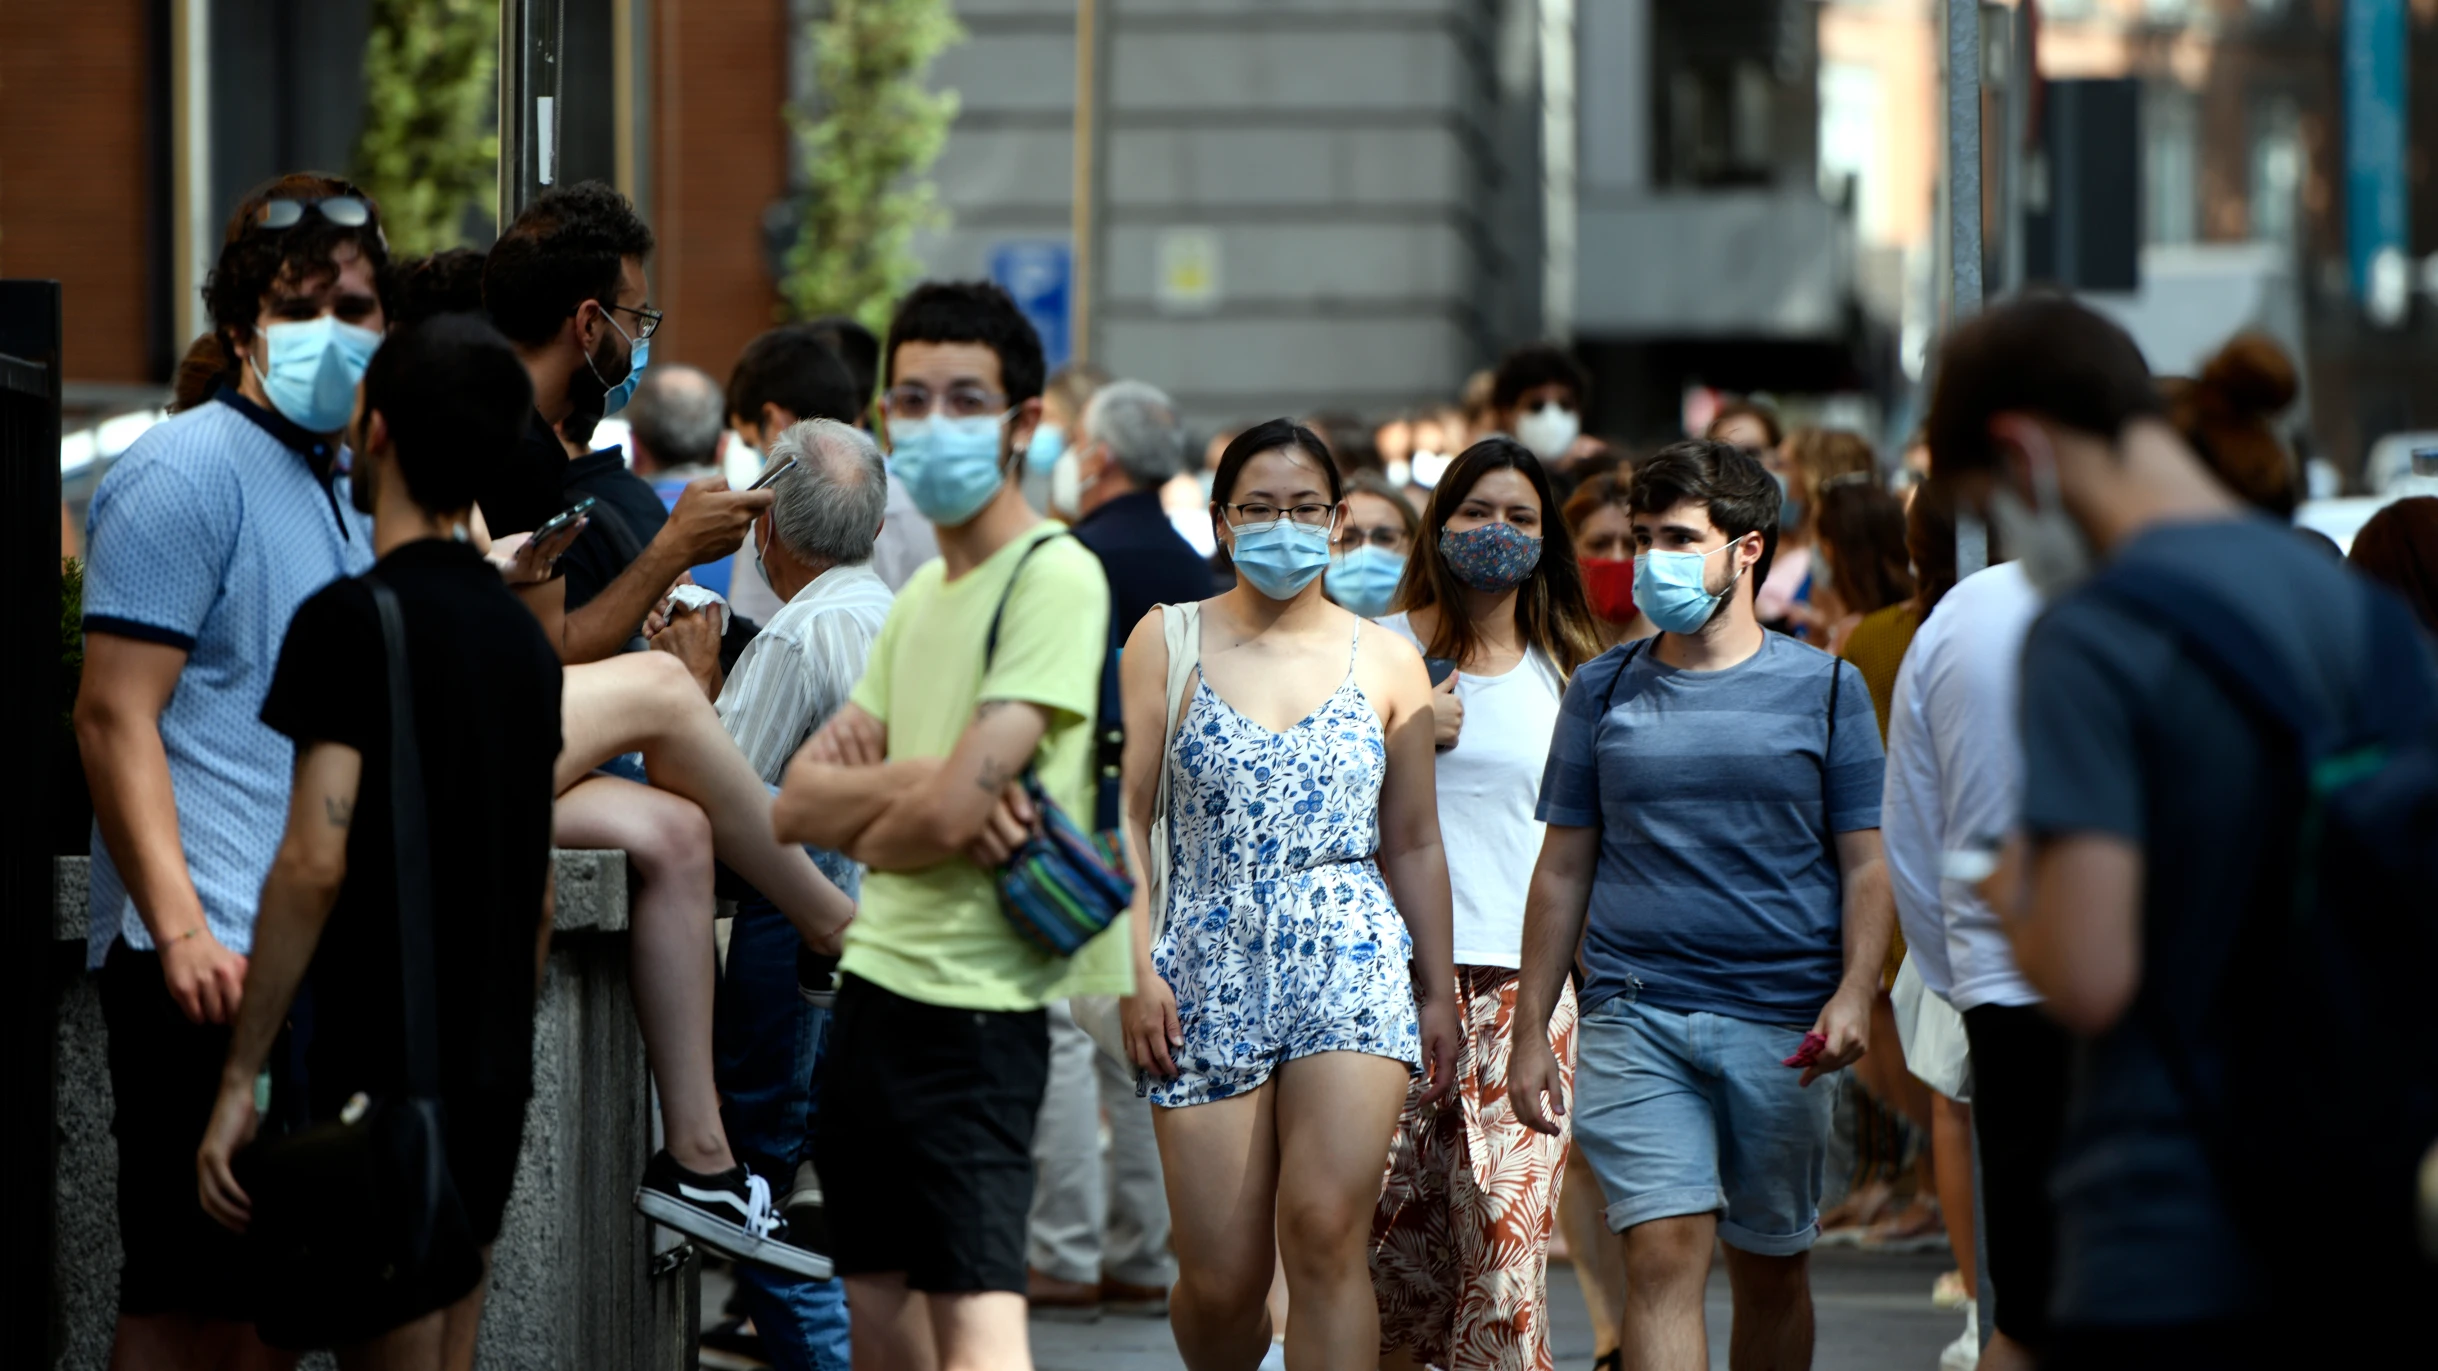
[[529, 103], [1964, 158], [1087, 129]]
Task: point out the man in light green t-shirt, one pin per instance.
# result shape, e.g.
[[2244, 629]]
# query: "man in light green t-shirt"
[[939, 1049]]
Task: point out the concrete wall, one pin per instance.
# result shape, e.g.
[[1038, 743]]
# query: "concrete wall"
[[1342, 155], [571, 1281]]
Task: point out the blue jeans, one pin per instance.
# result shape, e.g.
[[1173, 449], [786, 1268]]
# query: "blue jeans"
[[766, 1044]]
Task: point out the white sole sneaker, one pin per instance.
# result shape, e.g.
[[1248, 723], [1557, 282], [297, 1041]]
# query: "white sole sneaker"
[[731, 1239]]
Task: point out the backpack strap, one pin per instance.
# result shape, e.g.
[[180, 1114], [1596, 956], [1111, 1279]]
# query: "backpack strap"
[[409, 822]]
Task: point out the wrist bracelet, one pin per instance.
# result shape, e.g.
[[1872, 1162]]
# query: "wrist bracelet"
[[182, 937]]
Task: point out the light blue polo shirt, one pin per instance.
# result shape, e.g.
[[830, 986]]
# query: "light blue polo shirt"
[[206, 536]]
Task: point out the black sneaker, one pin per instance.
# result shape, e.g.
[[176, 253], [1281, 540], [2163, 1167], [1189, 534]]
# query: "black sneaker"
[[816, 978], [730, 1212]]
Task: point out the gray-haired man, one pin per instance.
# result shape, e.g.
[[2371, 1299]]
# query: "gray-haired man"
[[815, 547]]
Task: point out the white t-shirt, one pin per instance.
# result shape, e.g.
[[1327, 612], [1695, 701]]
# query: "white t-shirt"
[[1489, 785], [1955, 779]]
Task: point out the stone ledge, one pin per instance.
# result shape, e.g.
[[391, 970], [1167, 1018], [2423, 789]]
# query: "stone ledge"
[[592, 893]]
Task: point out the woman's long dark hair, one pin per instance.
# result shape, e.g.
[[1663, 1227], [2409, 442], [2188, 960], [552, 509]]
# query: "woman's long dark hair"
[[1549, 605]]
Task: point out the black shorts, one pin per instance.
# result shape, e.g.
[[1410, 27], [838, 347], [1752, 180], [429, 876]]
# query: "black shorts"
[[484, 1134], [2021, 1061], [164, 1080], [925, 1138]]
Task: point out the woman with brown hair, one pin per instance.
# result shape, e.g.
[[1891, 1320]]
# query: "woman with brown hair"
[[1861, 566], [2225, 412], [1603, 532], [1804, 464], [1460, 1241], [2398, 548]]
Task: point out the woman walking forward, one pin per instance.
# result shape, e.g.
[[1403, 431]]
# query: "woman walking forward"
[[1460, 1243], [1275, 1016]]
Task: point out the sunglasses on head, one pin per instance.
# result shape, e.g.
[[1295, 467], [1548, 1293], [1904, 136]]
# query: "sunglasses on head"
[[346, 211]]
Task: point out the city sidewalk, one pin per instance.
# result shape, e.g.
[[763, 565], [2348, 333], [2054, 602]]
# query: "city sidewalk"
[[1873, 1311]]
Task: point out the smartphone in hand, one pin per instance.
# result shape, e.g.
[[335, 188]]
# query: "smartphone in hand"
[[557, 523]]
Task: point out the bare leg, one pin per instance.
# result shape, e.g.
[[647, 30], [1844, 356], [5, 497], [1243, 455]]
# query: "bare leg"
[[1599, 1255], [645, 701], [464, 1322], [408, 1347], [980, 1331], [890, 1325], [670, 844], [182, 1342], [1773, 1312], [1220, 1164], [1336, 1112], [1951, 1139], [1667, 1266]]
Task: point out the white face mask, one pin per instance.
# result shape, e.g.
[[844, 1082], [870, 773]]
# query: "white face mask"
[[1549, 430], [2052, 548], [1067, 485]]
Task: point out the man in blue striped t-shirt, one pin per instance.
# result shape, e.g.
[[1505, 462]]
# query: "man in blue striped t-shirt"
[[204, 539], [1712, 797]]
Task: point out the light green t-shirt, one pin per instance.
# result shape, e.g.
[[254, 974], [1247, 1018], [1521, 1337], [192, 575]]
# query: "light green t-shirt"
[[936, 935]]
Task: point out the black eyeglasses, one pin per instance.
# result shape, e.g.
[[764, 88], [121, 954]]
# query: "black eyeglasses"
[[346, 211], [647, 319]]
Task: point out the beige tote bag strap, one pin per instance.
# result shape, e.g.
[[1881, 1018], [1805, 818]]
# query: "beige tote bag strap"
[[1181, 625]]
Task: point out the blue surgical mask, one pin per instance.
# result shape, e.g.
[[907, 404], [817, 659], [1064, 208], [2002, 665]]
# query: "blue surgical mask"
[[950, 466], [1672, 588], [1049, 440], [1280, 559], [1365, 580], [314, 367], [614, 398]]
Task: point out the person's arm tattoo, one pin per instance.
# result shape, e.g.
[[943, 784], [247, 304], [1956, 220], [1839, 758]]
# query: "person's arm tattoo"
[[339, 812]]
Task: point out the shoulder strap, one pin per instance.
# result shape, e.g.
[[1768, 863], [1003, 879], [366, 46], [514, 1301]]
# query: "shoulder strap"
[[1632, 650], [990, 643], [412, 841]]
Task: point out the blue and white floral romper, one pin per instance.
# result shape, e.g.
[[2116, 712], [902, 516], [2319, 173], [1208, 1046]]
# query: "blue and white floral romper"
[[1281, 939]]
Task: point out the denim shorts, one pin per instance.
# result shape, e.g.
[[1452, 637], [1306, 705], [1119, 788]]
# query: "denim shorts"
[[1693, 1114]]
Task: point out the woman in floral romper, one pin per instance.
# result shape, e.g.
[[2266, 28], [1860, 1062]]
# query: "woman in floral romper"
[[1302, 977], [1460, 1243]]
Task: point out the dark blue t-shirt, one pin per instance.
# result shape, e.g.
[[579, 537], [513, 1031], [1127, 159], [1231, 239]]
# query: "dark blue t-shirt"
[[2126, 735], [1718, 796]]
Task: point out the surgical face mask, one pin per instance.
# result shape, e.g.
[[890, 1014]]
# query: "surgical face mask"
[[1428, 467], [1673, 588], [1066, 484], [1790, 505], [1399, 473], [1048, 443], [1280, 559], [314, 365], [614, 395], [1491, 558], [2050, 545], [754, 541], [950, 466], [1549, 430], [1608, 583], [1365, 580]]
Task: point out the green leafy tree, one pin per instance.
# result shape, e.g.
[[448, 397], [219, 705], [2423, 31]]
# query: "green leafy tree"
[[867, 138], [427, 152]]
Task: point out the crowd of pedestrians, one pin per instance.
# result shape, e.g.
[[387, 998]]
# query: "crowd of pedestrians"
[[1476, 838]]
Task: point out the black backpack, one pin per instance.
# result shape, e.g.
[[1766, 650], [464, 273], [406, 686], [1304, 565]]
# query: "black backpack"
[[2325, 1006]]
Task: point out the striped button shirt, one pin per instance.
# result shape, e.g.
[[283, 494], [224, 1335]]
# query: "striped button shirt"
[[802, 666]]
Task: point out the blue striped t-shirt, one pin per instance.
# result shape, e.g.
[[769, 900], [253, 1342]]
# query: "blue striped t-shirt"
[[1718, 795], [206, 536]]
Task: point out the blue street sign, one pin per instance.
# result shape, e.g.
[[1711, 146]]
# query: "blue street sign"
[[2374, 137], [1040, 276]]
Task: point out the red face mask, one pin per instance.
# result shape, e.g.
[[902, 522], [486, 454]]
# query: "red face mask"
[[1609, 583]]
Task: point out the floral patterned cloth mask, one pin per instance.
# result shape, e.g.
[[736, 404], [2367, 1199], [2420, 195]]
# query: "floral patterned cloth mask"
[[1491, 558]]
